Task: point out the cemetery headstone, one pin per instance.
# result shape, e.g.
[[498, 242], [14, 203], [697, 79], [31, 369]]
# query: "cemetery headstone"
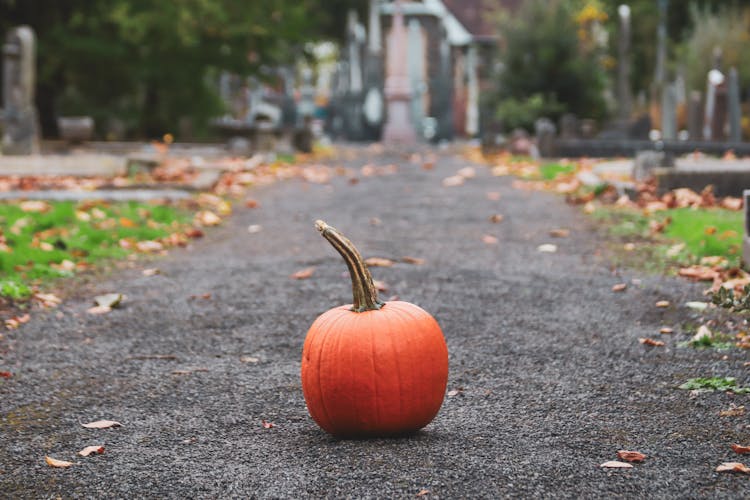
[[735, 110], [640, 127], [546, 133], [695, 115], [398, 127], [569, 128], [713, 80], [669, 113], [624, 96], [20, 122], [721, 109]]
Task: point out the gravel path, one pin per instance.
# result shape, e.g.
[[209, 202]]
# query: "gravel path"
[[550, 375]]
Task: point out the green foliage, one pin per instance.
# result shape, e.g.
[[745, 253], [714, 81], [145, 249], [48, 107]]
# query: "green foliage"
[[707, 231], [14, 290], [726, 28], [546, 71], [549, 171], [727, 299], [710, 384], [150, 63]]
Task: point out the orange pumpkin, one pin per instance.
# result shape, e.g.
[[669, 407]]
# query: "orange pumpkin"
[[372, 368]]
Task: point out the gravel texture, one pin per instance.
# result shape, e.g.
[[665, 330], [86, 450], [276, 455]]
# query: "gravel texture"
[[550, 375]]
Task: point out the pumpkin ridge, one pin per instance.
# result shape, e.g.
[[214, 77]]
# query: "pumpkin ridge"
[[402, 321], [373, 333], [335, 320]]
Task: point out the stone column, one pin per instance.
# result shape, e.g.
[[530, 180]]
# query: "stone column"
[[398, 127], [415, 63], [669, 113], [695, 116], [20, 121], [624, 96], [735, 109], [373, 107], [714, 79]]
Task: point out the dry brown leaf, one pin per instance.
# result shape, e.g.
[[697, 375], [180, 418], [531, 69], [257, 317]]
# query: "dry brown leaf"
[[489, 239], [651, 342], [733, 467], [252, 203], [207, 218], [267, 425], [559, 233], [454, 180], [423, 493], [614, 464], [662, 303], [149, 246], [304, 274], [34, 206], [631, 456], [102, 424], [734, 411], [467, 172], [99, 310], [5, 374], [665, 330], [493, 196], [620, 287], [738, 448], [151, 271], [699, 273], [48, 299], [60, 464], [378, 262], [413, 260], [495, 218], [91, 450], [248, 359]]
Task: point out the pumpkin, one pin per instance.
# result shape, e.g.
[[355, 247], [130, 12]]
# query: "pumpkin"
[[372, 368]]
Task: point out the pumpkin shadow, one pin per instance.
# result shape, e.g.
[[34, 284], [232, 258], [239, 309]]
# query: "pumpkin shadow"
[[421, 436]]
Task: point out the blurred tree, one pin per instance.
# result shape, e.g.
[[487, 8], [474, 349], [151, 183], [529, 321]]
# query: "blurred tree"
[[552, 62], [149, 63]]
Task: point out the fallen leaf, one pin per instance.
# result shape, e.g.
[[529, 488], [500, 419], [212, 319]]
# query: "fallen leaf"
[[631, 456], [699, 273], [102, 424], [413, 260], [559, 233], [151, 271], [734, 411], [125, 222], [381, 286], [493, 196], [629, 247], [98, 310], [60, 464], [467, 172], [149, 246], [423, 493], [248, 359], [267, 425], [495, 218], [589, 208], [110, 300], [651, 342], [454, 180], [453, 392], [733, 467], [48, 299], [374, 221], [614, 464], [620, 287], [204, 296], [665, 330], [662, 303], [738, 448], [194, 232], [34, 206], [698, 306], [254, 228], [6, 374], [489, 239], [303, 274], [547, 248], [207, 218], [252, 203], [378, 262], [91, 449], [709, 230]]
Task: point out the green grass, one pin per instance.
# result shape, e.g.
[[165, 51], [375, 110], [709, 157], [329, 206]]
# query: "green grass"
[[704, 232], [714, 384], [38, 242], [550, 171]]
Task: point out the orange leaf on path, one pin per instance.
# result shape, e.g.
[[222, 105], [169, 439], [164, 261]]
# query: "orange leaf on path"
[[699, 273], [662, 303], [495, 218], [423, 493], [378, 262], [413, 260], [102, 424], [303, 274], [267, 425], [620, 287], [60, 464], [489, 239], [651, 342], [559, 233], [738, 448], [631, 456], [733, 467], [89, 450]]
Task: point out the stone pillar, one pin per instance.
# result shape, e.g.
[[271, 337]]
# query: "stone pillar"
[[398, 127], [735, 109], [416, 67], [443, 90], [695, 115], [669, 113], [20, 121], [719, 122], [714, 80], [624, 96], [472, 94], [373, 107]]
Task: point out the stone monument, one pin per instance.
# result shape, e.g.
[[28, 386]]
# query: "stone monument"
[[735, 107], [19, 116], [398, 127], [624, 95]]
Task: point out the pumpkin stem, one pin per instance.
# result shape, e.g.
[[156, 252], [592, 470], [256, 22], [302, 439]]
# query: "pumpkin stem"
[[363, 289]]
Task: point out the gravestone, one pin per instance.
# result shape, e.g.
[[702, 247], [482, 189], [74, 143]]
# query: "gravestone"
[[640, 127], [669, 113], [569, 128], [714, 79], [735, 109], [416, 64], [624, 95], [546, 133], [20, 122], [695, 115], [721, 109]]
